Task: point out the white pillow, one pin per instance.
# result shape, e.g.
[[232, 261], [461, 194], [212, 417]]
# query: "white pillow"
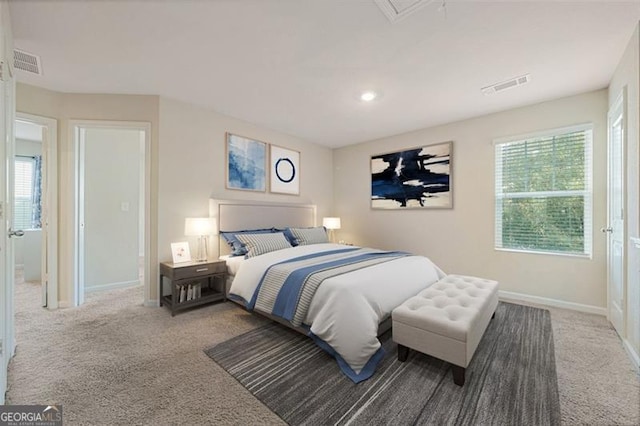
[[306, 236], [258, 244]]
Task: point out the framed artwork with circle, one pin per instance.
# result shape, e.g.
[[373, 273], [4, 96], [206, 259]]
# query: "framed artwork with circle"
[[284, 171]]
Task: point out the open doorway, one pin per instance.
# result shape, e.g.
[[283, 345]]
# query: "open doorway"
[[35, 207], [112, 196]]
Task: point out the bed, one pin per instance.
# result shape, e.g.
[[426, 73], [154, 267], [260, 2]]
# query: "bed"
[[346, 292]]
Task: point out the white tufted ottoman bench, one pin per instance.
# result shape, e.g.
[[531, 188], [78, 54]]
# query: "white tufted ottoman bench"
[[447, 320]]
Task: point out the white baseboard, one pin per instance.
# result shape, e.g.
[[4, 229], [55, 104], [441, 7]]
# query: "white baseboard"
[[519, 297], [152, 303], [111, 286], [633, 355]]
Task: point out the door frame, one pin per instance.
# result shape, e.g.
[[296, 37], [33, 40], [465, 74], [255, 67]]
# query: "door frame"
[[75, 126], [619, 105], [50, 202]]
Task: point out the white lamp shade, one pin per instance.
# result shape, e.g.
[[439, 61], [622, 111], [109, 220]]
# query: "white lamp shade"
[[331, 222], [197, 226]]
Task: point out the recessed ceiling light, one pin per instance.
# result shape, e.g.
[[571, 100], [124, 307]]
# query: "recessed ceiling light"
[[368, 96]]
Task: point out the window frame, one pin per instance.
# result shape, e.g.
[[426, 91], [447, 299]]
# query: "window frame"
[[31, 159], [586, 193]]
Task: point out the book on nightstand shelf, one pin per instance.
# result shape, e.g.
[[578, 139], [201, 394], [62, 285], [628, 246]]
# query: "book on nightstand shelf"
[[188, 292]]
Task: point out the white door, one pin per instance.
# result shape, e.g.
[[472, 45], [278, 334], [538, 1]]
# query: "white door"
[[7, 262], [7, 145], [615, 225]]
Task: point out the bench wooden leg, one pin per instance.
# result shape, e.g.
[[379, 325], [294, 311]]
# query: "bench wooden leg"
[[403, 353], [458, 374]]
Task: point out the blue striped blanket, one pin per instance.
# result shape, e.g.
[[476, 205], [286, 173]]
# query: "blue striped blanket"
[[287, 288]]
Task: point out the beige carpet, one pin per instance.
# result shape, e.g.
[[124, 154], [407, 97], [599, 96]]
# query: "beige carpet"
[[113, 361]]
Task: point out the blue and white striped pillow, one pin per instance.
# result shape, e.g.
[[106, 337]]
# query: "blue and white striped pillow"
[[306, 236], [258, 244], [237, 248]]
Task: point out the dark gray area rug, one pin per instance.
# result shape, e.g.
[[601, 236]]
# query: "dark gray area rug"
[[511, 379]]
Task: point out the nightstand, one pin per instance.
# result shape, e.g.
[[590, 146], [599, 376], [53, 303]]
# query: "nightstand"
[[193, 284]]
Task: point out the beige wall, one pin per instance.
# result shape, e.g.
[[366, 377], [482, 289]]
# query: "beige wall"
[[461, 240], [187, 165], [188, 160], [627, 75], [68, 106], [192, 164]]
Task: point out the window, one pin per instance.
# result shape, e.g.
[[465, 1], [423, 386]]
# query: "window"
[[27, 193], [543, 192]]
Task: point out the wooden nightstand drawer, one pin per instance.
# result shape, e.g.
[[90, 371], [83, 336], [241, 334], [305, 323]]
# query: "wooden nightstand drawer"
[[199, 270]]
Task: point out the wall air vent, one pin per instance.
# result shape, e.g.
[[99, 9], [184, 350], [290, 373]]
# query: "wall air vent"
[[396, 10], [26, 61], [508, 84]]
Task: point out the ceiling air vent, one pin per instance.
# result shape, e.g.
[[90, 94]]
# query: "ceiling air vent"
[[508, 84], [396, 10], [26, 61]]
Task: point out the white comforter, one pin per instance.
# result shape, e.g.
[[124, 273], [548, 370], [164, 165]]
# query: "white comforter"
[[346, 309]]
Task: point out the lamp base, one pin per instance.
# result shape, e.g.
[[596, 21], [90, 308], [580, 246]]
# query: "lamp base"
[[203, 251]]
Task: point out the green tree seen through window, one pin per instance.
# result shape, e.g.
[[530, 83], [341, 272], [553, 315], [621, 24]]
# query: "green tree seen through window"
[[543, 193]]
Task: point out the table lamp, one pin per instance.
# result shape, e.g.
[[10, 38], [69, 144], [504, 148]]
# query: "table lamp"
[[201, 227], [331, 223]]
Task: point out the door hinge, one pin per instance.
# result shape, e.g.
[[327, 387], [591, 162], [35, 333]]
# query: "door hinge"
[[2, 70]]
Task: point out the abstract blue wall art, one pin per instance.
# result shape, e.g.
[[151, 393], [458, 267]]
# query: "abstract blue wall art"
[[284, 171], [413, 179], [246, 164]]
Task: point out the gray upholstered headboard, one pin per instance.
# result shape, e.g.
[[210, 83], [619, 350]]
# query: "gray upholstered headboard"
[[235, 215]]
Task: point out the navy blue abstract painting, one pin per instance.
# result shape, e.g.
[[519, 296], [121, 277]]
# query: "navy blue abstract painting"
[[414, 178], [246, 163]]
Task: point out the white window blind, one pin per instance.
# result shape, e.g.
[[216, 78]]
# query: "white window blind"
[[24, 193], [543, 192]]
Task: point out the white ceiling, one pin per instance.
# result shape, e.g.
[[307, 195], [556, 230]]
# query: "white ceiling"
[[298, 66]]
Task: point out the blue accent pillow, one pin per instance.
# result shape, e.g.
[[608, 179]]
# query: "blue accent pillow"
[[288, 235], [237, 247]]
